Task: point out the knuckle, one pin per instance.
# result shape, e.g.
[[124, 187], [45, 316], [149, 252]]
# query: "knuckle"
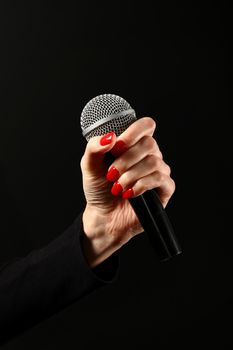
[[168, 169], [148, 142], [160, 154], [149, 122], [158, 162], [173, 185], [160, 177], [152, 161]]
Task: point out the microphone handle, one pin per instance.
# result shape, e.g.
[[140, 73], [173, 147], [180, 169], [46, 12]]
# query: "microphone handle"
[[156, 224], [154, 220]]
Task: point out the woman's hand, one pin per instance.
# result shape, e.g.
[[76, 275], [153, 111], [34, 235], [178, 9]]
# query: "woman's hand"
[[109, 220]]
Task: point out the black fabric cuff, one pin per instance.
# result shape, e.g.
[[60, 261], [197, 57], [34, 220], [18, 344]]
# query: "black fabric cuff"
[[47, 280]]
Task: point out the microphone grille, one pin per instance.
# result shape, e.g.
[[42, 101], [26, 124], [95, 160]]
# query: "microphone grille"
[[106, 113]]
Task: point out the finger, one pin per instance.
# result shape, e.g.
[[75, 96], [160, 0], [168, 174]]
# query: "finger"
[[145, 147], [164, 184], [95, 150], [146, 166], [141, 127]]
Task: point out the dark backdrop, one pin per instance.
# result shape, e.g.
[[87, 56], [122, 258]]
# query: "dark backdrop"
[[171, 62]]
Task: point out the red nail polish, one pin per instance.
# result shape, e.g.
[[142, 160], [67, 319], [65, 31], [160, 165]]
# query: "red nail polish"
[[113, 174], [116, 189], [128, 193], [118, 149], [106, 139]]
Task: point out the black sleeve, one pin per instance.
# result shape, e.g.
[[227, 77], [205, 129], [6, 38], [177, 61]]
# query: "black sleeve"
[[37, 286]]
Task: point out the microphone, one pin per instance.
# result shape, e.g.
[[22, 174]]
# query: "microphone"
[[106, 113]]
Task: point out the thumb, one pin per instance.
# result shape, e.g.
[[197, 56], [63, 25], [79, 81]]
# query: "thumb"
[[96, 148]]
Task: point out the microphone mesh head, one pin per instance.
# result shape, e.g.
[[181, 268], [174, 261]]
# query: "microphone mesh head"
[[106, 113]]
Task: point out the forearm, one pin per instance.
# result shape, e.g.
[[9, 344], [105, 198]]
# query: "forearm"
[[44, 282]]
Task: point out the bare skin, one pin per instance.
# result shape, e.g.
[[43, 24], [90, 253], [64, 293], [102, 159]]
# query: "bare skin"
[[109, 220]]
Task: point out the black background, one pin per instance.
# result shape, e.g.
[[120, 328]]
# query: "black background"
[[170, 61]]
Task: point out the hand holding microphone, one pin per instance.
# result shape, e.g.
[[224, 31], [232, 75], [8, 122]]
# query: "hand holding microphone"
[[121, 167]]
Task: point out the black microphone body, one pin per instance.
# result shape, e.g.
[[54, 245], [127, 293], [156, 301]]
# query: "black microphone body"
[[147, 207], [156, 224]]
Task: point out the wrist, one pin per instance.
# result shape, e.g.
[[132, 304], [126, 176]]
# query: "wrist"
[[98, 244]]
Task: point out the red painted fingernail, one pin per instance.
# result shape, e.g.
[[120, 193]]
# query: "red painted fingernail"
[[118, 149], [128, 193], [106, 139], [113, 174], [116, 189]]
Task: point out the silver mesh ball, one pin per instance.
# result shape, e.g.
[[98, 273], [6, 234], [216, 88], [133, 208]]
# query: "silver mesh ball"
[[106, 113]]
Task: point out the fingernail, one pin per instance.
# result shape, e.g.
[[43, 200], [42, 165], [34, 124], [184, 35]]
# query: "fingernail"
[[113, 174], [116, 189], [128, 193], [106, 139], [118, 149]]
